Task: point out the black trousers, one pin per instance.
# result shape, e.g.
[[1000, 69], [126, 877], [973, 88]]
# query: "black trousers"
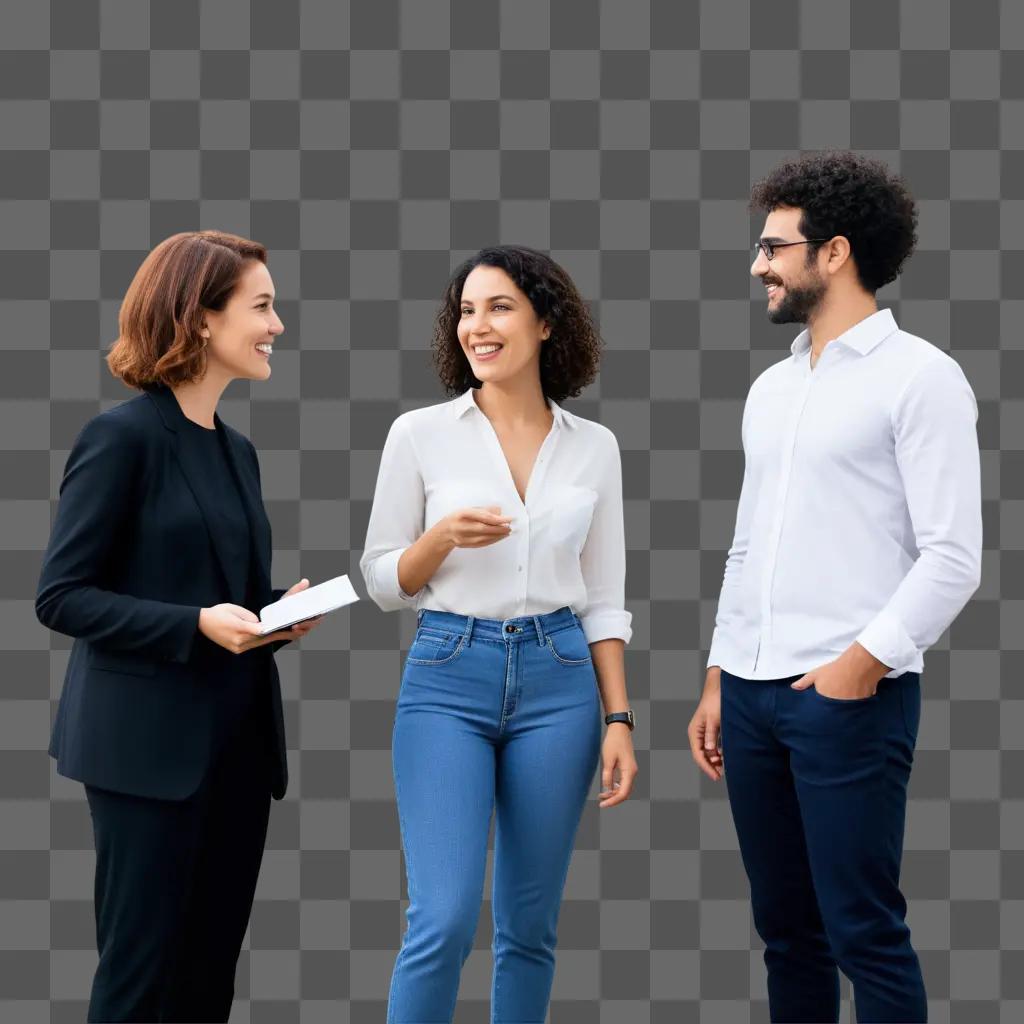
[[174, 888]]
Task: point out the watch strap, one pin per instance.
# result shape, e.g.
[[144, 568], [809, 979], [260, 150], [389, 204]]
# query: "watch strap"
[[621, 716]]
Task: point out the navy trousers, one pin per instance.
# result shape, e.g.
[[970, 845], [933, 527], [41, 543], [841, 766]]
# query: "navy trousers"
[[818, 789]]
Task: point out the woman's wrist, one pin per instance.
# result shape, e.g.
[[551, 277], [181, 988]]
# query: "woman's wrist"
[[441, 540], [623, 717]]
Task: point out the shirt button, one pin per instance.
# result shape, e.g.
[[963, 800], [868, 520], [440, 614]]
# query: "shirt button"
[[519, 567]]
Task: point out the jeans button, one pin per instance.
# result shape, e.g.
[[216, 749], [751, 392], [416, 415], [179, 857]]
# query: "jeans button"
[[510, 629]]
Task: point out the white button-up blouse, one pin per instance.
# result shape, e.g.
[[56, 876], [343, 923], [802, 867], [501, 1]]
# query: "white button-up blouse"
[[566, 545]]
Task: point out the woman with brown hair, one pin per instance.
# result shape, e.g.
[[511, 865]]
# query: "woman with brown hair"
[[171, 710]]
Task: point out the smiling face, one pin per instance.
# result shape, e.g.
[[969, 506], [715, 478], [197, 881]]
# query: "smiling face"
[[795, 288], [499, 331], [240, 335]]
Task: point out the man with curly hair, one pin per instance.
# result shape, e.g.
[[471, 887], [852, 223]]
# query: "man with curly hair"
[[858, 540]]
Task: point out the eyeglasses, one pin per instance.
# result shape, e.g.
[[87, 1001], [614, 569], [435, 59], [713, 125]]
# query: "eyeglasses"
[[768, 248]]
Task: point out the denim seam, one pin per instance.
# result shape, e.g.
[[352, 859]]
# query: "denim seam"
[[432, 638], [398, 958], [439, 661], [504, 692], [566, 661]]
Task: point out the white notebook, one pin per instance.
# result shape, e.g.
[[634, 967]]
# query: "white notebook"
[[307, 604]]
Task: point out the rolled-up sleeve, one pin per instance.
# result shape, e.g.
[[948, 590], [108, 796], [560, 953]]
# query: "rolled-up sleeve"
[[396, 520], [936, 445], [603, 558]]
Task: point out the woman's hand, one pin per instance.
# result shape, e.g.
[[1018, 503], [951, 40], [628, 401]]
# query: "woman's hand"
[[464, 528], [476, 527], [617, 757], [236, 629]]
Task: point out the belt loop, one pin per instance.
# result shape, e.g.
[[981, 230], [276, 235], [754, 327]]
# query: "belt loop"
[[419, 616], [468, 632], [540, 630]]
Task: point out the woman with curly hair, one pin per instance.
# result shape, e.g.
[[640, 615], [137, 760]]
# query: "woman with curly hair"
[[498, 515], [858, 541]]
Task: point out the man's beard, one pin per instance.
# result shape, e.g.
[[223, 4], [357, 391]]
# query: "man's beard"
[[797, 304]]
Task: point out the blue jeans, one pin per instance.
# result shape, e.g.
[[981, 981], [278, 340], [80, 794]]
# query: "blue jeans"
[[818, 788], [493, 715]]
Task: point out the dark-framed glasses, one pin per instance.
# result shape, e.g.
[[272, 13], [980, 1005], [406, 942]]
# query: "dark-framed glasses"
[[768, 248]]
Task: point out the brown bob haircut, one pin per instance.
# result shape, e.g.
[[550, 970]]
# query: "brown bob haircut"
[[162, 312]]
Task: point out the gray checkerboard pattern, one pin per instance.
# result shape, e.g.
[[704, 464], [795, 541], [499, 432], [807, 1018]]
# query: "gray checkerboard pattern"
[[371, 144]]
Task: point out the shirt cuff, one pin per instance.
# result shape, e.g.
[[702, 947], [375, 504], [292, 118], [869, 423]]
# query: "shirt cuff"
[[886, 639], [607, 623], [715, 653], [387, 591]]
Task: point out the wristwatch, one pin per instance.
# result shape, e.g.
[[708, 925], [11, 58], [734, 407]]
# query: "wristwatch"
[[622, 716]]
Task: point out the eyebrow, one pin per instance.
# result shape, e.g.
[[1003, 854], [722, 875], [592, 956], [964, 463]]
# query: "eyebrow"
[[772, 238], [264, 295], [492, 299]]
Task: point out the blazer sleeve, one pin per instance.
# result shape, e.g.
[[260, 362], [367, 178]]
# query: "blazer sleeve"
[[97, 501]]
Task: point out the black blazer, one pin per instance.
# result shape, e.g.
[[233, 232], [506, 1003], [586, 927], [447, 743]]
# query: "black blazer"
[[132, 557]]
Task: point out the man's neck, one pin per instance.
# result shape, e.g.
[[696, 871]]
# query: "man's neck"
[[837, 319]]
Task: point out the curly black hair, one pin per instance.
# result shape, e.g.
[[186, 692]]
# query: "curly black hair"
[[569, 357], [844, 193]]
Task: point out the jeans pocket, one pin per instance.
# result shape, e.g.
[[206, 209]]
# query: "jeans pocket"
[[434, 647], [843, 700], [569, 646]]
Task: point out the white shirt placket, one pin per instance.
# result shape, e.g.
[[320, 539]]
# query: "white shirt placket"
[[790, 437]]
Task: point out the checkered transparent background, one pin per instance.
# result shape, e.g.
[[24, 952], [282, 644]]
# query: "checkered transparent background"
[[372, 144]]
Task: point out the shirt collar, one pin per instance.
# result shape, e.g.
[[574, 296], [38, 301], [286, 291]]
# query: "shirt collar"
[[466, 401], [862, 336]]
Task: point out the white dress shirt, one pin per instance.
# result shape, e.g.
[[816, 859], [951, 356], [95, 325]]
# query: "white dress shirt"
[[566, 546], [860, 513]]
